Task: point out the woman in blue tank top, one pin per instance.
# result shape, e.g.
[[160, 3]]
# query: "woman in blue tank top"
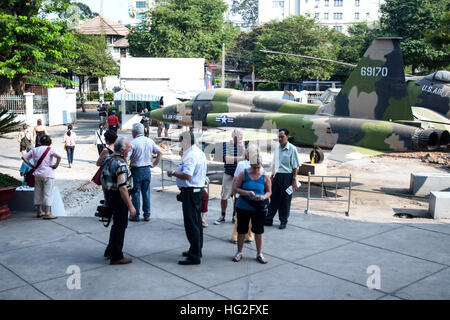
[[254, 187]]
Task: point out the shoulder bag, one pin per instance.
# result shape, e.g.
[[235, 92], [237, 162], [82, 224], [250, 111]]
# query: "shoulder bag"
[[30, 177]]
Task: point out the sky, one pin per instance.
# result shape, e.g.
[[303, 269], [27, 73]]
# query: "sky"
[[112, 9]]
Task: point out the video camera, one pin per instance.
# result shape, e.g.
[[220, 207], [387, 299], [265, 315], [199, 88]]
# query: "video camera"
[[104, 213]]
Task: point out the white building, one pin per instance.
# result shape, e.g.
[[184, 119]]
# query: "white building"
[[338, 14], [156, 77]]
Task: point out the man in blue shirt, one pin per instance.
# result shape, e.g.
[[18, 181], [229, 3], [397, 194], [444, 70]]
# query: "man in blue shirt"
[[285, 165], [191, 177], [141, 156]]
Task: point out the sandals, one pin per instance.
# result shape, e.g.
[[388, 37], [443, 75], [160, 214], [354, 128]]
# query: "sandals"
[[39, 215], [237, 257], [49, 217], [260, 258]]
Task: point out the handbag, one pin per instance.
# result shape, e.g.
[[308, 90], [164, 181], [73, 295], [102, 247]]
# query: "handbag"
[[30, 177], [97, 175]]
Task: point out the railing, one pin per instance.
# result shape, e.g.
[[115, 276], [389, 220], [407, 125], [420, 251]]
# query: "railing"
[[14, 104], [335, 198], [40, 104]]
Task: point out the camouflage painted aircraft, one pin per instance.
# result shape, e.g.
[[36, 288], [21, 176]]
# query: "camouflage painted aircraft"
[[430, 97], [370, 115]]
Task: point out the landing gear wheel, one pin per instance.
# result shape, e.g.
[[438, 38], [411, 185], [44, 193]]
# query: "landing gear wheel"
[[317, 155]]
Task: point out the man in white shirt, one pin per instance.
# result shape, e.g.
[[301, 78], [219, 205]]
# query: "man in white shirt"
[[191, 177], [141, 156]]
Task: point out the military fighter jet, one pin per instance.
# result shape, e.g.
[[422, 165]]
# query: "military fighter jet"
[[367, 117]]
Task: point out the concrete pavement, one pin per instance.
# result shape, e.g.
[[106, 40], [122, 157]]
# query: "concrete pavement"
[[314, 258]]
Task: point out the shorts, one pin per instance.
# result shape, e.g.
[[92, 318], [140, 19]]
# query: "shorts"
[[164, 124], [227, 184], [243, 218], [205, 200], [43, 191]]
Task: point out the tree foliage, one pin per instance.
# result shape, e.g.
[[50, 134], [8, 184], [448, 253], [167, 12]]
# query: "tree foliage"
[[412, 20], [296, 35], [248, 9], [31, 46], [189, 29]]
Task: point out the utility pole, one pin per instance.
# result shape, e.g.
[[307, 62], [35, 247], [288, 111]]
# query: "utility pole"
[[223, 66]]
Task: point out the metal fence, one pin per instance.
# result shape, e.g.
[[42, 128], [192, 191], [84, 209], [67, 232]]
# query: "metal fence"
[[14, 104], [40, 104], [323, 189]]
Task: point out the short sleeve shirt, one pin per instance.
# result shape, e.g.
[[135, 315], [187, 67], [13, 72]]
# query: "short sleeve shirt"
[[113, 120], [233, 150], [286, 159], [193, 164], [141, 152], [116, 173], [44, 170]]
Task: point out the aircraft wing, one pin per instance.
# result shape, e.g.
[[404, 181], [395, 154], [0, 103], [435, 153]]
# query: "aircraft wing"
[[345, 153], [431, 118]]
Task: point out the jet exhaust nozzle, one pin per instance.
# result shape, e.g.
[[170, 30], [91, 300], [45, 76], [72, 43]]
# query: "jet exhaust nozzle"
[[428, 140], [444, 138]]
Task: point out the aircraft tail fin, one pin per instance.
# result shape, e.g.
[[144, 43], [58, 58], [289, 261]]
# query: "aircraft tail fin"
[[376, 88]]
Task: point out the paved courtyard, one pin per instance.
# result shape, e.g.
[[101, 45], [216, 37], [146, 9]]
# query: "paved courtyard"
[[316, 257]]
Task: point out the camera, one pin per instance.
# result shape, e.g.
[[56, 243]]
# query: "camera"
[[104, 212]]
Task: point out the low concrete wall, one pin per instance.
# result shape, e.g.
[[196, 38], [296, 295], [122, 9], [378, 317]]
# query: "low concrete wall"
[[23, 200], [421, 184], [439, 207]]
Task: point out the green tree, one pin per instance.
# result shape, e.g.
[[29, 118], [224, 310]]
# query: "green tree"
[[31, 46], [411, 20], [440, 38], [93, 60], [189, 29], [296, 35], [350, 48], [248, 9]]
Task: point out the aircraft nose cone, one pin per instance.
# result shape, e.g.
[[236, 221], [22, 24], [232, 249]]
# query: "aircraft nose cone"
[[157, 114]]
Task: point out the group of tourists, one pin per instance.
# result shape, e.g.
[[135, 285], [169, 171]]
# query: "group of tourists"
[[244, 179], [126, 177]]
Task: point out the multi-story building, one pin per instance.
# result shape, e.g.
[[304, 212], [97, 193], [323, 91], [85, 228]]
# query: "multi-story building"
[[117, 42], [337, 14]]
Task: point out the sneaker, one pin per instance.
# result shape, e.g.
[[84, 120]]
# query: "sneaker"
[[220, 220]]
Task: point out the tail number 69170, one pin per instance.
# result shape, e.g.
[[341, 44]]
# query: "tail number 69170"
[[374, 71]]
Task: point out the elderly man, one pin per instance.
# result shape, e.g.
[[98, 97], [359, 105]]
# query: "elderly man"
[[142, 150], [232, 153], [284, 174], [191, 176], [116, 182]]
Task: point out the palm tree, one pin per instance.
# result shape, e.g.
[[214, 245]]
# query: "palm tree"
[[7, 122]]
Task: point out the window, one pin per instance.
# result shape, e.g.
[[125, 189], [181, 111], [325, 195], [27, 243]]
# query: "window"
[[327, 3], [140, 16], [317, 3], [123, 52], [338, 3], [337, 16], [356, 3], [141, 5], [325, 16], [338, 28], [356, 15], [368, 14], [317, 15], [277, 4]]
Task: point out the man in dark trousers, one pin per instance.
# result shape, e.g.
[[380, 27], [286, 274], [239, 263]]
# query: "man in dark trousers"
[[191, 176], [116, 183], [285, 165]]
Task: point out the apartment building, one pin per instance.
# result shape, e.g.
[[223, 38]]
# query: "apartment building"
[[337, 14]]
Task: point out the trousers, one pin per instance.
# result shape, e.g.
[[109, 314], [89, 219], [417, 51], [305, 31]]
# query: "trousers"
[[279, 200], [141, 182], [120, 223], [70, 150], [192, 215]]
